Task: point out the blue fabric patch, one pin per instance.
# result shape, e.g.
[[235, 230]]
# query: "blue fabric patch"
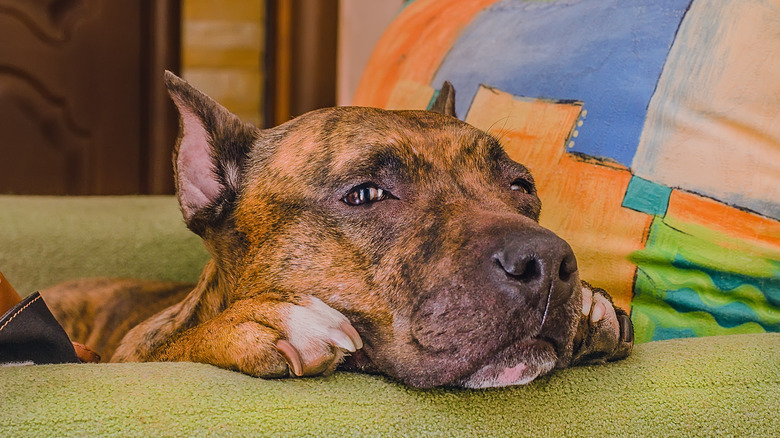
[[664, 333], [606, 53]]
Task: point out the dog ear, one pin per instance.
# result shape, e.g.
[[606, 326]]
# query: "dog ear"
[[445, 100], [210, 154]]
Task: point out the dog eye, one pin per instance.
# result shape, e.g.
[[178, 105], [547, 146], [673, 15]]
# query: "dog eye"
[[364, 194], [522, 186]]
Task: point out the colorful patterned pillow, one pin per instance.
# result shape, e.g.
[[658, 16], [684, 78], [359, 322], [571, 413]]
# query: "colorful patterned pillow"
[[652, 128]]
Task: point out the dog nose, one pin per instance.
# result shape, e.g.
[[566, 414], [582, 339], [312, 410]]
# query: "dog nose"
[[542, 263]]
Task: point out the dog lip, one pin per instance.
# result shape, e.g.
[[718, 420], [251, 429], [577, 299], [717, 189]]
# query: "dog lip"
[[543, 341], [554, 344], [499, 370]]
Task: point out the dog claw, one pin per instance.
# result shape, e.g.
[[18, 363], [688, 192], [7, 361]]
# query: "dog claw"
[[605, 333], [290, 356], [357, 341], [626, 329], [341, 340], [587, 300], [593, 304], [599, 310]]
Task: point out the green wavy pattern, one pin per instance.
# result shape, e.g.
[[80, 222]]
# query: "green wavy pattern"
[[688, 285]]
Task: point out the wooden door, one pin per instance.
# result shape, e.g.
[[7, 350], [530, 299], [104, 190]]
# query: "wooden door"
[[82, 106]]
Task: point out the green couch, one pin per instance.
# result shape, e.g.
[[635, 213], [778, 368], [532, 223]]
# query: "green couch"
[[727, 385]]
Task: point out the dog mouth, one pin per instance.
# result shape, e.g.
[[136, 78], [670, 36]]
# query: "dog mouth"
[[467, 340], [518, 364], [535, 354], [515, 363]]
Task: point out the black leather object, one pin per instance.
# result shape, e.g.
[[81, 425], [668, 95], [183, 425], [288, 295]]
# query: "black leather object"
[[29, 333]]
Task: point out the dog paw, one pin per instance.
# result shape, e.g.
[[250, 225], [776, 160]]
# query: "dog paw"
[[605, 333], [316, 338], [597, 308]]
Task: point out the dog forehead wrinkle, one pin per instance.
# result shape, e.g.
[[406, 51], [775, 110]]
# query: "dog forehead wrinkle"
[[476, 147], [380, 164], [445, 140], [338, 142], [334, 133], [291, 146]]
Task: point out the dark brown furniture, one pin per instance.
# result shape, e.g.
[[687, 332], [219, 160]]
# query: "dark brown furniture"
[[82, 106]]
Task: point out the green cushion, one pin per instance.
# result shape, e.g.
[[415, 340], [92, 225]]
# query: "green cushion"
[[725, 384], [46, 240]]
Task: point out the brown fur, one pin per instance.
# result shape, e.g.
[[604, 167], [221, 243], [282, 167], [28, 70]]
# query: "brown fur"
[[99, 312]]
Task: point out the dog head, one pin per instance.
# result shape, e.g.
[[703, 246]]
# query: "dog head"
[[416, 226]]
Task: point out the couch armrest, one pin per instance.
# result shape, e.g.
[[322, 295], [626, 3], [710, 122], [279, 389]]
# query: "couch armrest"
[[45, 240]]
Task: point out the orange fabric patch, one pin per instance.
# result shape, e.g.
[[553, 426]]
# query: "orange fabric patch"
[[414, 46]]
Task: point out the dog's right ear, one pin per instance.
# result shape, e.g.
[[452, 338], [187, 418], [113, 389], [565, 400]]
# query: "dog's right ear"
[[210, 155], [445, 100]]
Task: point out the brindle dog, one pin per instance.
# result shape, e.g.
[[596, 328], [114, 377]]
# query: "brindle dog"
[[398, 242]]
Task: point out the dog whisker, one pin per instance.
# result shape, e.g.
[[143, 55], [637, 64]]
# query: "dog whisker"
[[546, 306]]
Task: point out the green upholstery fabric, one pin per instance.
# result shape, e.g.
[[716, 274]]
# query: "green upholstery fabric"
[[727, 385], [47, 240]]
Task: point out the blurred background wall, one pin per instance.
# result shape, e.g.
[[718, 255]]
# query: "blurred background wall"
[[83, 110], [223, 51]]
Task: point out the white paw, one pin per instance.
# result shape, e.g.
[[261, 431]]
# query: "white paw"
[[316, 338]]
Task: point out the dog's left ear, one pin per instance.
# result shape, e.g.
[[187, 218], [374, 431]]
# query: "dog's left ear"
[[445, 101], [210, 155]]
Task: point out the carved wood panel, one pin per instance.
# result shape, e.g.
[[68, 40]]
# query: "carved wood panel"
[[82, 106]]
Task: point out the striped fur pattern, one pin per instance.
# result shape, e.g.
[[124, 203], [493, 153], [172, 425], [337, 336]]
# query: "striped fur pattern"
[[404, 243]]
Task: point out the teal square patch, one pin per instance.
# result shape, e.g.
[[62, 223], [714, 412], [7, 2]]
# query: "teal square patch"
[[647, 197]]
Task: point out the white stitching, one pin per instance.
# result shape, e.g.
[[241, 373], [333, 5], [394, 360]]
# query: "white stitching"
[[20, 311]]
